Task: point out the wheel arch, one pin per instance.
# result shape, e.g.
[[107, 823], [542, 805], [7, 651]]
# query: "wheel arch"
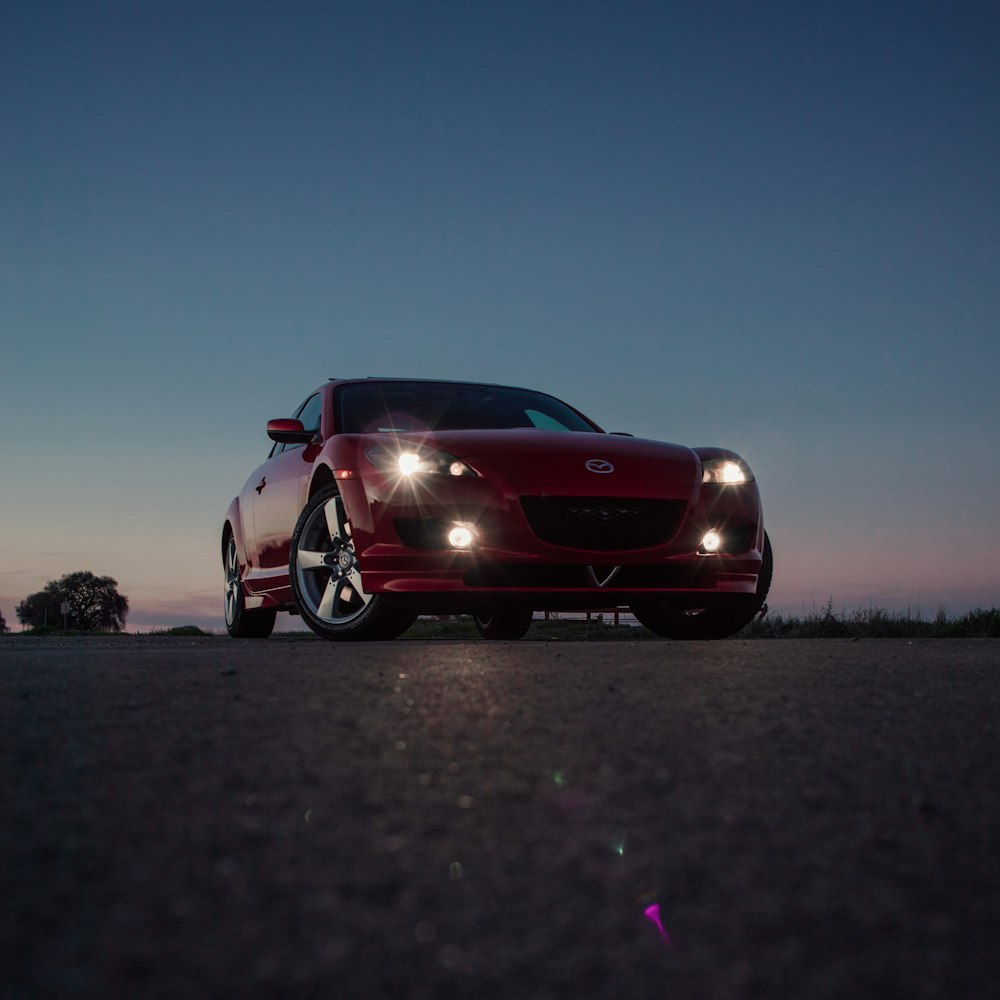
[[231, 526], [322, 477]]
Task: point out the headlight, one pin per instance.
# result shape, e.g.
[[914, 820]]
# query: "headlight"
[[727, 471], [416, 461]]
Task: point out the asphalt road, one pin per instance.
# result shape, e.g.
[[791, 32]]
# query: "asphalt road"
[[291, 818]]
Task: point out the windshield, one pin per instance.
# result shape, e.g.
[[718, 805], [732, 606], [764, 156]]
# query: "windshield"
[[401, 407]]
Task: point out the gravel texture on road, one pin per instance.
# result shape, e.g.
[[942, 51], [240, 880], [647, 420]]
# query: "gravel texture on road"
[[212, 818]]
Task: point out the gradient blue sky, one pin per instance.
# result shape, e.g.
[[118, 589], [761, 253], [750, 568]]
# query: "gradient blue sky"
[[770, 226]]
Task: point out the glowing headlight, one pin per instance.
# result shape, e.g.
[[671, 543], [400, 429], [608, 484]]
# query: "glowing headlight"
[[416, 461], [408, 463], [725, 470]]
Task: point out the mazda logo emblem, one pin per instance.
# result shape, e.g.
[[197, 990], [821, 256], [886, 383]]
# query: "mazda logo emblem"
[[600, 465]]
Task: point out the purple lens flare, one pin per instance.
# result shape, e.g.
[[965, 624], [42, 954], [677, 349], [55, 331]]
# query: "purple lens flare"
[[653, 913]]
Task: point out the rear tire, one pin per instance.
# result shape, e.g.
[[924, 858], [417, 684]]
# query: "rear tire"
[[503, 623], [241, 622], [712, 623]]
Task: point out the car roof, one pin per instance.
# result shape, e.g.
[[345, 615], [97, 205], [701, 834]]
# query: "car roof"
[[436, 381]]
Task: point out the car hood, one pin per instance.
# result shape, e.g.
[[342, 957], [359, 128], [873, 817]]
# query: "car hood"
[[539, 462]]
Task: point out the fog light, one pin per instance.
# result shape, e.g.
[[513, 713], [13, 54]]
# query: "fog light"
[[460, 537], [712, 542]]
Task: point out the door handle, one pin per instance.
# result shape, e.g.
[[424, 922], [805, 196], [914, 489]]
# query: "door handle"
[[260, 486]]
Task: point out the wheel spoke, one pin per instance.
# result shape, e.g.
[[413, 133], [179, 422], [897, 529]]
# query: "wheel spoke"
[[339, 600], [354, 577], [334, 520], [307, 559], [328, 603]]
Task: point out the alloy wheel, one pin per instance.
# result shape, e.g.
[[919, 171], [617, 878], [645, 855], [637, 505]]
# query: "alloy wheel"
[[326, 565], [232, 581]]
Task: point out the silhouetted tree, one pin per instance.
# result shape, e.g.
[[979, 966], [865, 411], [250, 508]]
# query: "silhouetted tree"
[[94, 602], [38, 609], [3, 624]]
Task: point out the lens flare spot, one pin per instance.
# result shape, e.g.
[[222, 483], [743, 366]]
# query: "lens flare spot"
[[408, 463], [712, 541], [652, 913], [460, 537]]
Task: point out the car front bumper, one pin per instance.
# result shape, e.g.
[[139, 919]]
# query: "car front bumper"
[[401, 541]]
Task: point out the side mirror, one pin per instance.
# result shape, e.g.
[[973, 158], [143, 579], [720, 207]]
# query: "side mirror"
[[288, 431]]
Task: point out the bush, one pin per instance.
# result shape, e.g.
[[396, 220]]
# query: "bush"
[[978, 624]]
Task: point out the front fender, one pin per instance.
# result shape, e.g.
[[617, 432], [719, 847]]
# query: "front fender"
[[234, 524]]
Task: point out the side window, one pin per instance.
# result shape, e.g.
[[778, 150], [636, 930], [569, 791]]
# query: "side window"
[[310, 413]]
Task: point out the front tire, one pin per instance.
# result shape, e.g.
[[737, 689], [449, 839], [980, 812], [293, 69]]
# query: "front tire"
[[712, 623], [503, 623], [326, 581], [241, 622]]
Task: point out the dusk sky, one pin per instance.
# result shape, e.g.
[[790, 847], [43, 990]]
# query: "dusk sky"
[[768, 226]]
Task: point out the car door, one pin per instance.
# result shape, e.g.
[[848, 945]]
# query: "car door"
[[279, 495]]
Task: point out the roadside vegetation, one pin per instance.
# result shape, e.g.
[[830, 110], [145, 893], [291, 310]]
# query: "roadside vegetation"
[[875, 623], [823, 623], [182, 631]]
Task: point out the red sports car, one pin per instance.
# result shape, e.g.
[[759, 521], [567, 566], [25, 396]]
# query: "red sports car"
[[383, 499]]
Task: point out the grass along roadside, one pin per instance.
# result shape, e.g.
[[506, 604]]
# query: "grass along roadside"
[[875, 623], [823, 623]]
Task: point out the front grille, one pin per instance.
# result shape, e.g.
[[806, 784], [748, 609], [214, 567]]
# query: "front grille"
[[603, 524]]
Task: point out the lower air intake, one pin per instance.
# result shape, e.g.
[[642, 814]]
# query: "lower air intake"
[[603, 524]]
